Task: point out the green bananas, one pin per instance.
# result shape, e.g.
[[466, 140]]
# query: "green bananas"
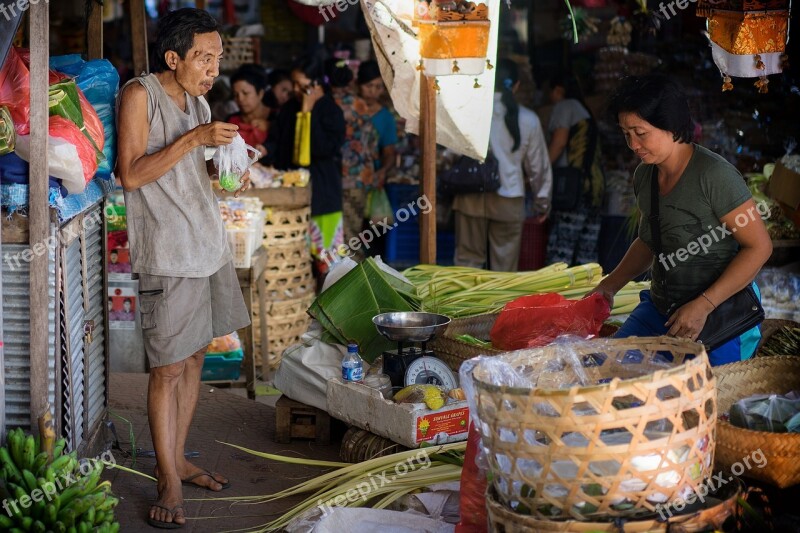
[[57, 494]]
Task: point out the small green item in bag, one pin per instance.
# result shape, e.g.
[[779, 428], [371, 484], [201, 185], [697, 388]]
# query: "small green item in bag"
[[378, 208], [229, 181], [7, 134]]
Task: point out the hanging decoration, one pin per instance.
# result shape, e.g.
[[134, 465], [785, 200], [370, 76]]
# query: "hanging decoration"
[[747, 37], [453, 36]]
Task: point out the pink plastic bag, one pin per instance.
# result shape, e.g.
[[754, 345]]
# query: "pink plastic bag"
[[68, 131], [536, 320]]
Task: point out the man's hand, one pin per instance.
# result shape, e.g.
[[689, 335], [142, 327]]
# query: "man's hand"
[[605, 290], [245, 184], [215, 133], [262, 151]]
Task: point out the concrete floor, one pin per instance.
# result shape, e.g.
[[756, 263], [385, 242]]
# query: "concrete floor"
[[222, 415]]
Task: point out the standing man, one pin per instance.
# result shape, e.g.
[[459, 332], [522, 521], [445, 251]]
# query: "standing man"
[[188, 290]]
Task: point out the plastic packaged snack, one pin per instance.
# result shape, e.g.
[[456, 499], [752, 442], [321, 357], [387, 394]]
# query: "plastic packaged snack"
[[232, 161]]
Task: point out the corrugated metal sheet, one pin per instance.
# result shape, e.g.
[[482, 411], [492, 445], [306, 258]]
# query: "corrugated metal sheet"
[[73, 364], [96, 357], [16, 330]]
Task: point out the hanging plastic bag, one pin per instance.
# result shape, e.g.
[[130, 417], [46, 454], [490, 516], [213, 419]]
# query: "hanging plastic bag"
[[536, 320], [302, 140], [225, 344], [232, 161], [378, 207]]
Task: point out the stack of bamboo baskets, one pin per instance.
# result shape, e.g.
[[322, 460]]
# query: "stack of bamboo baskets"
[[288, 281]]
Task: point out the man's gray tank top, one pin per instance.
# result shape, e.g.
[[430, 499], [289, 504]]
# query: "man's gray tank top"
[[174, 224]]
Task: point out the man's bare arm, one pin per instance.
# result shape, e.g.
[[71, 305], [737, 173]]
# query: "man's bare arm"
[[135, 168]]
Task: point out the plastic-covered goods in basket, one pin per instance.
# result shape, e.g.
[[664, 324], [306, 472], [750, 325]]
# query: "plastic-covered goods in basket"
[[551, 456]]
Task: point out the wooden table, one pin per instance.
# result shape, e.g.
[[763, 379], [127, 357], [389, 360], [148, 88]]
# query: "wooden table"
[[253, 285]]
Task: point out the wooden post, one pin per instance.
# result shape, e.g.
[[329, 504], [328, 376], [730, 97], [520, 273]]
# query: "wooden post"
[[139, 36], [94, 35], [427, 133], [39, 209]]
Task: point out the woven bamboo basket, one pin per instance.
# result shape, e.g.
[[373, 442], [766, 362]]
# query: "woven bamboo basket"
[[284, 226], [239, 50], [642, 437], [710, 517], [454, 351], [770, 327], [736, 381], [290, 286]]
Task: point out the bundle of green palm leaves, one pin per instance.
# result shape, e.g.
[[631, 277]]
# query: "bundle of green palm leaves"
[[346, 309]]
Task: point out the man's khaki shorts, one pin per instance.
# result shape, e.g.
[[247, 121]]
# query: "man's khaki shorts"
[[180, 316]]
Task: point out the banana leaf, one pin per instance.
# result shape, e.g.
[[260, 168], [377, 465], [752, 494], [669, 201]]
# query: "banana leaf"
[[7, 134], [346, 308]]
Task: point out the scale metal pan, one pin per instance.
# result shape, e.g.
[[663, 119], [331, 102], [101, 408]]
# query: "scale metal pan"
[[410, 326]]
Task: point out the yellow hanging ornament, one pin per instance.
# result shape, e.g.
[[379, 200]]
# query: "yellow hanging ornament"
[[759, 64], [456, 69], [727, 85], [420, 66], [477, 85], [436, 85], [489, 65], [761, 84]]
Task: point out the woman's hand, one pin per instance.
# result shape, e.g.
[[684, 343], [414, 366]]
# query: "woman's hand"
[[688, 321], [312, 96], [245, 184], [261, 150], [605, 290]]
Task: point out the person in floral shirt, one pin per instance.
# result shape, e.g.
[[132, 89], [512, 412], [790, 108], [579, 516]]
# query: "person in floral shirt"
[[359, 152]]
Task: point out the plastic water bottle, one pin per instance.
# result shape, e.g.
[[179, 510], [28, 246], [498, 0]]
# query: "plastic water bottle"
[[352, 365]]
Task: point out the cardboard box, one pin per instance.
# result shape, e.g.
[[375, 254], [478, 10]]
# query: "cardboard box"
[[406, 424], [784, 186]]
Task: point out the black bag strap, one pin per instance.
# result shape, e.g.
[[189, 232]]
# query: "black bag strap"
[[655, 218]]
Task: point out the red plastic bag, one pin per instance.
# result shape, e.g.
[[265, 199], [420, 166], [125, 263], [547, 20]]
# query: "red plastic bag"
[[68, 131], [474, 517], [15, 90], [536, 320]]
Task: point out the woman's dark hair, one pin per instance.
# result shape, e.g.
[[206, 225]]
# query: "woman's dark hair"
[[506, 76], [368, 71], [278, 75], [659, 100], [338, 72], [252, 74], [176, 32], [313, 68]]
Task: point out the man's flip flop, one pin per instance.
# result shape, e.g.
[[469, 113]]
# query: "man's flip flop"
[[190, 481], [165, 525]]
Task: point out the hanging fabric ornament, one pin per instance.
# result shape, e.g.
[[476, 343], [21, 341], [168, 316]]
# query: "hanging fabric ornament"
[[489, 65], [421, 65], [436, 85], [727, 85], [748, 38], [456, 70], [453, 36], [761, 85], [477, 85]]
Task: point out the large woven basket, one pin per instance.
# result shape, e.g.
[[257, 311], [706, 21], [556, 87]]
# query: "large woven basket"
[[736, 381], [711, 517], [564, 452], [286, 226]]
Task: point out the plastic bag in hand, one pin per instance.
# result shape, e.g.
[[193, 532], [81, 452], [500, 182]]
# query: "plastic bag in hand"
[[536, 320], [232, 161]]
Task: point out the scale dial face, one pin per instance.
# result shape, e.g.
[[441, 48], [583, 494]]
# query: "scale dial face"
[[431, 371]]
